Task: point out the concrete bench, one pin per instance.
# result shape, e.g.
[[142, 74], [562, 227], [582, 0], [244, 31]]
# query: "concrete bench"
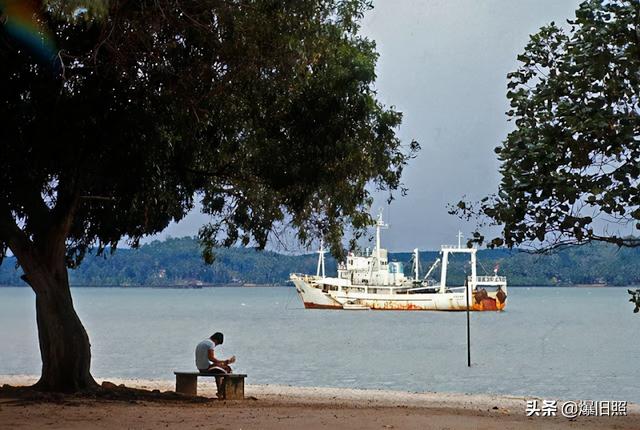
[[231, 387]]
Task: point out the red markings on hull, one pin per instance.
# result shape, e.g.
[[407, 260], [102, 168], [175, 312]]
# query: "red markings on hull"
[[489, 304], [309, 305]]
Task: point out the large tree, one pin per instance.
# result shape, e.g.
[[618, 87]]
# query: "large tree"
[[115, 117], [571, 167]]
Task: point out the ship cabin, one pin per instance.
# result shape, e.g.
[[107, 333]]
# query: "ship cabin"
[[373, 269]]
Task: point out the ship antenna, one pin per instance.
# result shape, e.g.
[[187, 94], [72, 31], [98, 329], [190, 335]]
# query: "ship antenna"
[[379, 224]]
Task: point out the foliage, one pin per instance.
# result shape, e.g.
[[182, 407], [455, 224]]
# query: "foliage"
[[570, 168], [93, 10], [635, 299], [159, 100]]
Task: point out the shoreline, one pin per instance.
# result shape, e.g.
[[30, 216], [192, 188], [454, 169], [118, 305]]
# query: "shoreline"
[[284, 285], [328, 395], [279, 406], [325, 395], [168, 286]]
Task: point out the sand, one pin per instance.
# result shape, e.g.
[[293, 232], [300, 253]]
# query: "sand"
[[283, 407]]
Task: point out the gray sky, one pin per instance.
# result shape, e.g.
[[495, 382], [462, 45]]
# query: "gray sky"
[[443, 63]]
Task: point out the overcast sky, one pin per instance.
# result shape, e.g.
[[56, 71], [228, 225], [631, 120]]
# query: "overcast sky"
[[443, 63]]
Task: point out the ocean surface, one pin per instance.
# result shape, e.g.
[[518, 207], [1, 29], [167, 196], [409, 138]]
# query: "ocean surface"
[[566, 343]]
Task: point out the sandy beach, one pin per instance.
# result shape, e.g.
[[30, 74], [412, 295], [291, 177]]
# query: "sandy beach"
[[284, 407]]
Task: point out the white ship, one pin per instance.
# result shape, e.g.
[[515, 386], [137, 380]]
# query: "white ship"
[[372, 282]]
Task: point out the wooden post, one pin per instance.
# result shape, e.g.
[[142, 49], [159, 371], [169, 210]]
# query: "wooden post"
[[187, 384], [232, 388]]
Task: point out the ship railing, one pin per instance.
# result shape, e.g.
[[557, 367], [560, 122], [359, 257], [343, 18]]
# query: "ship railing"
[[304, 276], [489, 279], [456, 248]]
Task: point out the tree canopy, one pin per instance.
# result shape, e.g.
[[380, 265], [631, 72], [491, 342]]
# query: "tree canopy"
[[159, 100], [117, 114], [571, 167]]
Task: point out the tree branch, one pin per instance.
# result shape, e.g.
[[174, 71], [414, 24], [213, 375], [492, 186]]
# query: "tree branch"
[[18, 242]]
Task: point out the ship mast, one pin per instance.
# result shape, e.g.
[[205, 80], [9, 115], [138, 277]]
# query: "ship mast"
[[379, 224], [321, 253]]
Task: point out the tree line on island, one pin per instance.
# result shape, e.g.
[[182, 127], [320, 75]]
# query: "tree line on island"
[[178, 263]]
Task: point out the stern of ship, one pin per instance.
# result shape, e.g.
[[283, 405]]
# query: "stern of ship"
[[490, 293]]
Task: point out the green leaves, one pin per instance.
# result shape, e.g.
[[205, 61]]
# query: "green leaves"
[[78, 10], [263, 110], [575, 104]]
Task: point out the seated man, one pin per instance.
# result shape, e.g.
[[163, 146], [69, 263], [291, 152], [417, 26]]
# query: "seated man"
[[206, 361]]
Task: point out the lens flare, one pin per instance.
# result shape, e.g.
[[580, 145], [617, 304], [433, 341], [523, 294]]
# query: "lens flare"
[[22, 21]]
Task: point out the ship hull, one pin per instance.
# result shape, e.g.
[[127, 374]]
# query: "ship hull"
[[314, 296]]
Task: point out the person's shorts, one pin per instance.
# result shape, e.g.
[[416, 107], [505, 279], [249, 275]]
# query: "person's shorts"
[[216, 369]]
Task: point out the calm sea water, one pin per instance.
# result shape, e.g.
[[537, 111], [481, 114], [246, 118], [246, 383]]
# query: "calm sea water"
[[578, 343]]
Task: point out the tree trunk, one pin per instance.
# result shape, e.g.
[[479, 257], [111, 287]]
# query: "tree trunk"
[[64, 344]]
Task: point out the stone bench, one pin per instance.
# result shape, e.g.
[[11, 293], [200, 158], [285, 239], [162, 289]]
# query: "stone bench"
[[231, 386]]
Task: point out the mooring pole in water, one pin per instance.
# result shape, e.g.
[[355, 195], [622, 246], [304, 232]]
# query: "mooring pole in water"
[[466, 283]]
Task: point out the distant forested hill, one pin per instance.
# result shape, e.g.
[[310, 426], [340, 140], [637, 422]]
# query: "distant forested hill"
[[178, 262]]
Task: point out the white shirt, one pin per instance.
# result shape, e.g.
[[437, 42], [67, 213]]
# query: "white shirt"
[[202, 354]]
